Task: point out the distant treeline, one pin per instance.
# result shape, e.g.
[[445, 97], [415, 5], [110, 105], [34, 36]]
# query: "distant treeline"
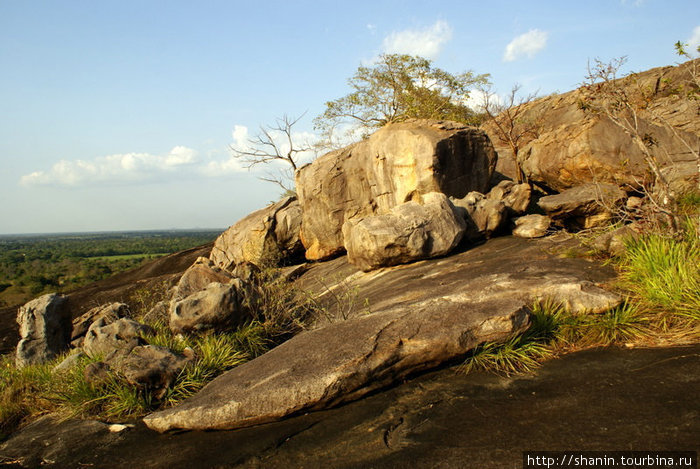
[[31, 265]]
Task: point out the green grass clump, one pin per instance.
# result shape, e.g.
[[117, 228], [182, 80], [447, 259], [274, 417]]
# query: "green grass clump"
[[664, 273]]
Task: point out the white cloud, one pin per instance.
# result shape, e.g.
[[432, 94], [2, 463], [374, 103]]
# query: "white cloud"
[[477, 99], [426, 42], [113, 169], [694, 41], [526, 45]]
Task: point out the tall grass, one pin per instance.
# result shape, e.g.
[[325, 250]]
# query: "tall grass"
[[664, 272]]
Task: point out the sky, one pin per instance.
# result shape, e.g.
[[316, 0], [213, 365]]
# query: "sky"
[[120, 115]]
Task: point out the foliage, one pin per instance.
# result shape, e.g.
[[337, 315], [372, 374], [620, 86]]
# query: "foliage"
[[665, 272], [31, 265], [397, 87]]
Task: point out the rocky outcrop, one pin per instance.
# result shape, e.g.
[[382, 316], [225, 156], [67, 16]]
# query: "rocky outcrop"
[[584, 206], [218, 307], [269, 236], [421, 315], [570, 146], [531, 226], [342, 362], [44, 328], [393, 166], [198, 276], [409, 232]]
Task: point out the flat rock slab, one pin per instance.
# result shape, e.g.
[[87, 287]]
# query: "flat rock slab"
[[422, 314], [504, 267], [605, 399], [342, 362]]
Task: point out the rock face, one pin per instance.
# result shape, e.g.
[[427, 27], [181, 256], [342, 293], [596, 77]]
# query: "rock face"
[[584, 206], [267, 236], [394, 165], [409, 232], [217, 307], [198, 276], [341, 362], [44, 328], [574, 147], [421, 315]]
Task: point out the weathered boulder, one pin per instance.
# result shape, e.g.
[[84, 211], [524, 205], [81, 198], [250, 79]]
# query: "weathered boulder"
[[118, 338], [110, 313], [482, 215], [269, 236], [152, 367], [394, 165], [516, 197], [409, 232], [44, 329], [342, 362], [584, 206], [218, 307], [198, 276], [571, 146], [531, 226], [97, 373]]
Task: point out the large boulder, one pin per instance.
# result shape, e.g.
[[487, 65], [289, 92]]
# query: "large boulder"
[[420, 315], [269, 236], [569, 146], [342, 362], [409, 232], [111, 339], [198, 276], [152, 367], [217, 307], [45, 329], [584, 206], [393, 166]]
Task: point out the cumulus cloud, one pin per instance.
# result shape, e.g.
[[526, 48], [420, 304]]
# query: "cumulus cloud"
[[426, 42], [526, 45], [694, 41], [113, 169]]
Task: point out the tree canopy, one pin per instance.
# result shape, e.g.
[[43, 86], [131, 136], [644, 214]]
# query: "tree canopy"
[[397, 87]]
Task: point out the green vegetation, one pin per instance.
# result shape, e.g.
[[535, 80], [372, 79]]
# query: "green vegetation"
[[660, 276], [32, 265], [398, 87], [278, 312]]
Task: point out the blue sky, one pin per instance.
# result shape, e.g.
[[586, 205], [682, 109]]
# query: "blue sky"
[[118, 115]]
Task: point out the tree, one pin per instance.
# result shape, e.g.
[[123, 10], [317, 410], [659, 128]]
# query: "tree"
[[275, 144], [629, 105], [398, 87], [512, 125]]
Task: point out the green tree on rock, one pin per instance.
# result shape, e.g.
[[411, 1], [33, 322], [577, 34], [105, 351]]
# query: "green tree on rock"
[[397, 87]]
